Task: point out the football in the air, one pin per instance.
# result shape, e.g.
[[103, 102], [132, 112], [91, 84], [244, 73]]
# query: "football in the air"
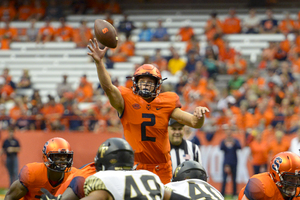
[[105, 33]]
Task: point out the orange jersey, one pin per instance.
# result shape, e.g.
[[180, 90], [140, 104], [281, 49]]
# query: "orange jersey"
[[262, 187], [65, 33], [146, 125], [76, 180], [33, 176], [25, 12], [259, 151]]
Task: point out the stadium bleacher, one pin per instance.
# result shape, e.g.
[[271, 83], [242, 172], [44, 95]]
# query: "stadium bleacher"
[[47, 62]]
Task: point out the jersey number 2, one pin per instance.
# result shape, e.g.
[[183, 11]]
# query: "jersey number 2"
[[148, 123]]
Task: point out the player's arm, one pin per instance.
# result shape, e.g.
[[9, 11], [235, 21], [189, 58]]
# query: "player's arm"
[[16, 191], [254, 190], [244, 198], [98, 195], [112, 92], [75, 189], [69, 195], [170, 195], [194, 120], [95, 189]]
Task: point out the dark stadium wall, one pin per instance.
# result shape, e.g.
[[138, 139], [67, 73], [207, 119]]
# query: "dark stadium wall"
[[84, 145]]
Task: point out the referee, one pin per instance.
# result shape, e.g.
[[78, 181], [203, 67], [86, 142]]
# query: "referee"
[[181, 149]]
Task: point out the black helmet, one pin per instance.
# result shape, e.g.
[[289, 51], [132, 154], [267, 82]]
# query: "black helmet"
[[114, 154], [189, 170]]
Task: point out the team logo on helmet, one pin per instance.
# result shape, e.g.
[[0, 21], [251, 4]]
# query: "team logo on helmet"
[[176, 171], [102, 149], [276, 163]]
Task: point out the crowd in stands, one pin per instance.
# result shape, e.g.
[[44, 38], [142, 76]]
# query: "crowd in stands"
[[258, 101]]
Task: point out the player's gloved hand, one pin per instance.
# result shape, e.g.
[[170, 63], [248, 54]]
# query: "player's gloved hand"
[[48, 196]]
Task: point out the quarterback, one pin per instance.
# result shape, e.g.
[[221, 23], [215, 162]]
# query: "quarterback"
[[145, 114]]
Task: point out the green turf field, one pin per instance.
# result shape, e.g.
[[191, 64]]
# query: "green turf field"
[[2, 193]]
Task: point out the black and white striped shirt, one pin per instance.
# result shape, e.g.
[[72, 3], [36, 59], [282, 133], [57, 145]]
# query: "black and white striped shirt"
[[185, 151]]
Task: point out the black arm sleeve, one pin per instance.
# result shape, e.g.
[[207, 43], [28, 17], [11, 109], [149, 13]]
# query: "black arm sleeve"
[[175, 196]]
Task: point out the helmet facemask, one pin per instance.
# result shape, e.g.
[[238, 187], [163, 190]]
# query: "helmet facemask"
[[289, 182], [59, 161], [147, 89]]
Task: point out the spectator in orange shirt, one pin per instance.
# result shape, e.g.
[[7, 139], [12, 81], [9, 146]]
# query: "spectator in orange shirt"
[[226, 53], [244, 119], [82, 35], [8, 34], [186, 32], [17, 111], [259, 152], [279, 144], [255, 81], [210, 92], [38, 10], [123, 50], [285, 45], [262, 112], [213, 26], [232, 24], [25, 11], [192, 86], [236, 65], [7, 12], [84, 92], [46, 33], [286, 25], [193, 46], [6, 91], [53, 112], [64, 32]]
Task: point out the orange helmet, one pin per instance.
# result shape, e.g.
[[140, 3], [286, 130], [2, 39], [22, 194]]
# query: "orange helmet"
[[285, 172], [151, 71], [57, 155]]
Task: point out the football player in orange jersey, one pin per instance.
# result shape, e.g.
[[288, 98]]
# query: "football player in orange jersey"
[[114, 160], [280, 183], [57, 166], [145, 113]]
